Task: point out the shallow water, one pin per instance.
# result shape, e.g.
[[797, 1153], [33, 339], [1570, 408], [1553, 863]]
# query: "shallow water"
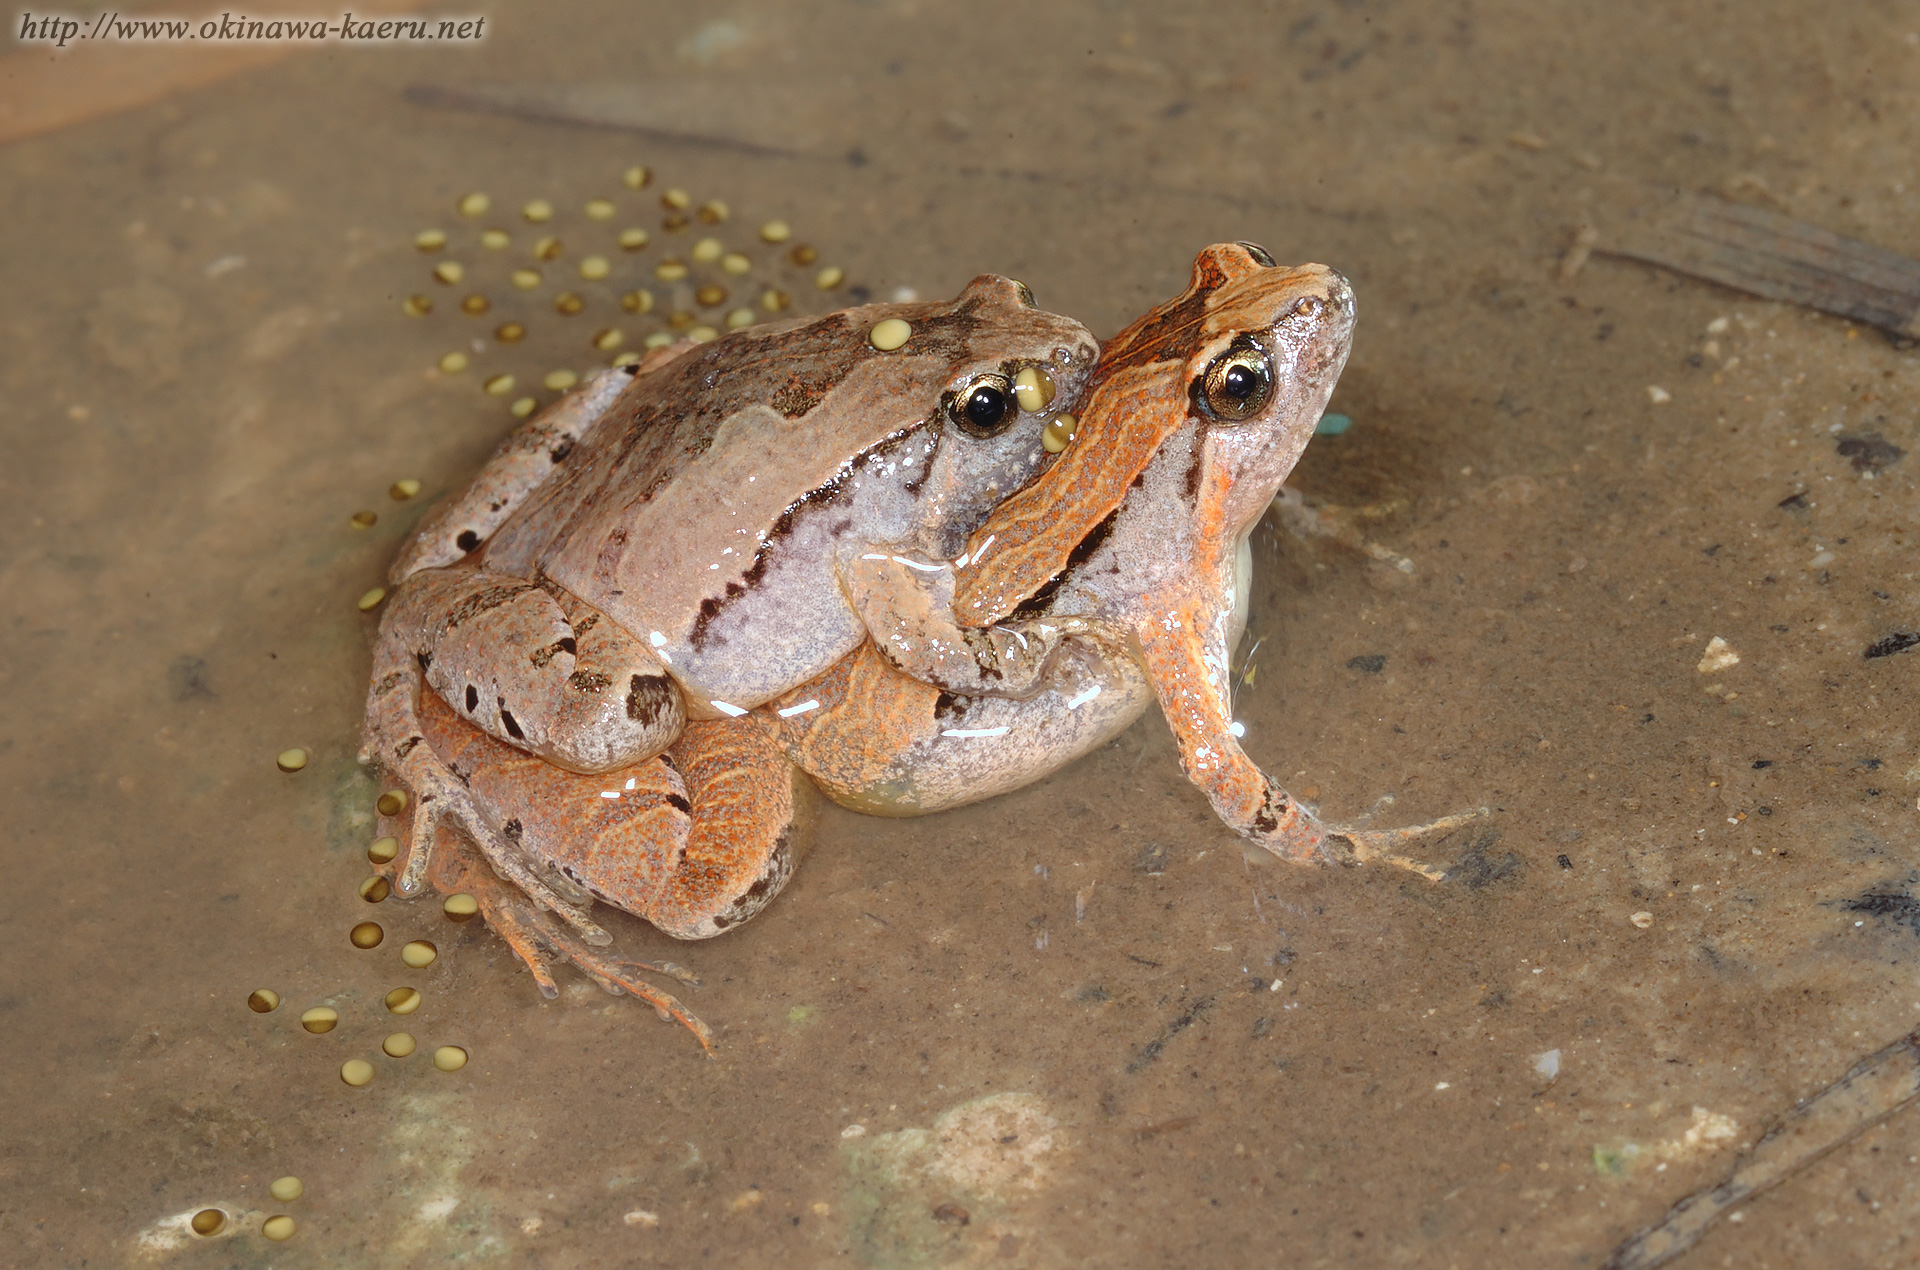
[[1078, 1023]]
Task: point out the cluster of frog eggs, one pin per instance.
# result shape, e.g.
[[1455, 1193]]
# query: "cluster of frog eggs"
[[607, 300]]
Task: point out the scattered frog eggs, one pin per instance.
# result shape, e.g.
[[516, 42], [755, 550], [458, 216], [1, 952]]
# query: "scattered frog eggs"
[[524, 279], [279, 1228], [671, 270], [398, 1045], [634, 239], [712, 212], [703, 334], [739, 318], [402, 1001], [639, 300], [383, 850], [475, 305], [356, 1072], [498, 385], [263, 1001], [474, 204], [510, 332], [208, 1222], [449, 272], [537, 211], [286, 1189], [419, 954], [891, 333], [830, 277], [524, 407], [674, 222], [460, 907], [567, 303], [599, 209], [774, 300], [676, 200], [659, 339], [594, 268], [366, 935], [495, 239], [449, 1058], [802, 255], [609, 338], [430, 239], [404, 488], [290, 760], [417, 305], [775, 231], [375, 889], [711, 296], [637, 177], [1058, 434], [736, 264], [370, 600], [391, 803], [453, 363], [628, 358], [547, 248], [320, 1020], [363, 520], [560, 380], [708, 251], [1033, 389]]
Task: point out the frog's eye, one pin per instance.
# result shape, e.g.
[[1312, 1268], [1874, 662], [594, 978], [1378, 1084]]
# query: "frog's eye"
[[1236, 385], [1261, 256], [984, 407]]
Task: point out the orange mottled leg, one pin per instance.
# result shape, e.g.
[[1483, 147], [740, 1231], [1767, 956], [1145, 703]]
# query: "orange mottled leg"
[[1185, 654], [748, 802]]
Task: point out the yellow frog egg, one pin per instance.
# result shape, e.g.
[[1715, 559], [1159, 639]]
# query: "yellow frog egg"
[[419, 954], [356, 1072], [286, 1189], [278, 1228], [291, 760], [889, 334], [449, 1058]]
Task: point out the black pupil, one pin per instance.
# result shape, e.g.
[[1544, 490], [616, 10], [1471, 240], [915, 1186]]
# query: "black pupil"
[[1240, 382], [986, 406]]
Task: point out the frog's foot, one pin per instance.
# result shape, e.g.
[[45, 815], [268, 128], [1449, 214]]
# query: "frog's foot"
[[537, 939], [1351, 844]]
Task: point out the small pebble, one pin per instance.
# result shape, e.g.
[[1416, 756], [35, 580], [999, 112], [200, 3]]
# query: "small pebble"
[[449, 1058], [391, 803], [1658, 395], [420, 953], [367, 603], [363, 520], [291, 760], [208, 1221], [278, 1228], [475, 204], [775, 231], [398, 1045], [404, 488], [263, 1001], [320, 1019], [402, 1001], [453, 363], [460, 907], [286, 1189], [892, 333], [538, 211], [1643, 919], [356, 1072], [366, 935], [375, 889]]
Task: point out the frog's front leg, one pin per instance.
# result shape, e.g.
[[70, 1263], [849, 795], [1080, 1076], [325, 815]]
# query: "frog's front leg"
[[1185, 654], [907, 605]]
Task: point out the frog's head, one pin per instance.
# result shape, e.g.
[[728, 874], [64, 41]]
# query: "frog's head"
[[1268, 343]]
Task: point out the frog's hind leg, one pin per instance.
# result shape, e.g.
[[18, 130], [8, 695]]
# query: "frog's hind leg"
[[535, 938]]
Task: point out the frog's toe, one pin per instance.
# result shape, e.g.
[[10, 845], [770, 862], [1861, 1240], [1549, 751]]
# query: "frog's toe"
[[1353, 845]]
